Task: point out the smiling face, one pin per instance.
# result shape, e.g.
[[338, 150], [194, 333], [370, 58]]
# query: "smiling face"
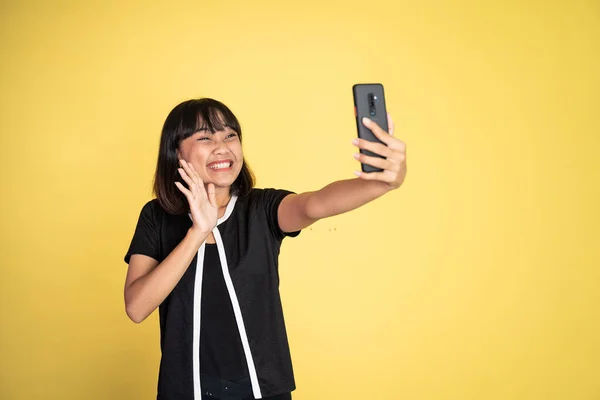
[[216, 156], [207, 134]]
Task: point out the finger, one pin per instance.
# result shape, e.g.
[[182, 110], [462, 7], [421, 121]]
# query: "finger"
[[212, 197], [195, 187], [198, 183], [196, 175], [188, 195], [373, 147], [189, 169], [377, 131], [376, 162], [191, 184], [391, 125]]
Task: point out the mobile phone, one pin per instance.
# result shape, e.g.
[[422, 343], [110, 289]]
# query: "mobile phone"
[[369, 101]]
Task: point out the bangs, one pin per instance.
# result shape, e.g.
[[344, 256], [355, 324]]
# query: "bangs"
[[206, 114], [215, 120]]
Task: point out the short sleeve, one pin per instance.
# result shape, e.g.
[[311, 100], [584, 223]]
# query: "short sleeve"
[[146, 238], [272, 199]]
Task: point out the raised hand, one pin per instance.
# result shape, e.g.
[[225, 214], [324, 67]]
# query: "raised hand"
[[202, 201], [394, 151]]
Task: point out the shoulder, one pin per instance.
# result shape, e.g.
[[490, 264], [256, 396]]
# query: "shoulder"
[[153, 211], [264, 197], [152, 207], [269, 193], [154, 217]]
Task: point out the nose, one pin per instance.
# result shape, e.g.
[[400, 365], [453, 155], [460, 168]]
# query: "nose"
[[220, 148]]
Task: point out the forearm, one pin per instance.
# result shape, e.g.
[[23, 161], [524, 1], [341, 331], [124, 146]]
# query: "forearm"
[[146, 293], [343, 196]]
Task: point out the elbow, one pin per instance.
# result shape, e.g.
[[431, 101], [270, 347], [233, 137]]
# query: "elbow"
[[134, 314], [133, 307]]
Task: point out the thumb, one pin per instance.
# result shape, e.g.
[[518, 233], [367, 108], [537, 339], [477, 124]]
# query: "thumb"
[[212, 197]]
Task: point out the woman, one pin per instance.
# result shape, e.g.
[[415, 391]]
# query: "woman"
[[205, 253]]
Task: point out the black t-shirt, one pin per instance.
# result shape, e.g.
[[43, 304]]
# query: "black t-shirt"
[[221, 352], [248, 242]]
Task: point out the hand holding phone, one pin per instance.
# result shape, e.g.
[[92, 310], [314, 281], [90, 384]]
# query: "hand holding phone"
[[369, 102], [385, 159]]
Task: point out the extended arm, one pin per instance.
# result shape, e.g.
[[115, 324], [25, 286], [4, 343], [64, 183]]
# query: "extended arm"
[[299, 211]]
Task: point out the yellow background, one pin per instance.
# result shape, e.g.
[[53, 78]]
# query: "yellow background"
[[477, 279]]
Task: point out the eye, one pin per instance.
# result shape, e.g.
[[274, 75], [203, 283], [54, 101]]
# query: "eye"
[[203, 138], [232, 135]]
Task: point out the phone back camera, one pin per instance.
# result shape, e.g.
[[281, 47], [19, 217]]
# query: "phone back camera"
[[372, 100]]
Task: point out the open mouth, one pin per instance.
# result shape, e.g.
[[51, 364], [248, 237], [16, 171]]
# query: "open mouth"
[[220, 165]]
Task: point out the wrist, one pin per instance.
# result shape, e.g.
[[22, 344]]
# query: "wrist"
[[197, 236], [375, 188]]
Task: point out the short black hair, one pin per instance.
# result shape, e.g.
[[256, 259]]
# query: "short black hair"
[[182, 122]]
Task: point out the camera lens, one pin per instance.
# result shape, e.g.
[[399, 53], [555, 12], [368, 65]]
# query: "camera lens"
[[371, 99]]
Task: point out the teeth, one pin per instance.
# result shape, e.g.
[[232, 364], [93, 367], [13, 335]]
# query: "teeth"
[[220, 165]]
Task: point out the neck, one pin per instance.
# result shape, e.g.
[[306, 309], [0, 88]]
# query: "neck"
[[222, 196]]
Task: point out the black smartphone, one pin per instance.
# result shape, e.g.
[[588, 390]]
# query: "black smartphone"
[[369, 101]]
